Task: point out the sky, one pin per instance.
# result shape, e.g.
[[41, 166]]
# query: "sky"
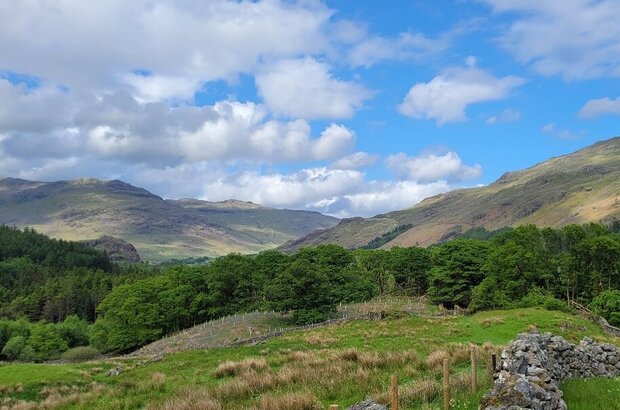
[[346, 107]]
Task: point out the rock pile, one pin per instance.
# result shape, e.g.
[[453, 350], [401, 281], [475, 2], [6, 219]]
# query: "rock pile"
[[532, 367]]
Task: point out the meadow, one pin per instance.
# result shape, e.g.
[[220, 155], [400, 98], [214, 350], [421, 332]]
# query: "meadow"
[[337, 364]]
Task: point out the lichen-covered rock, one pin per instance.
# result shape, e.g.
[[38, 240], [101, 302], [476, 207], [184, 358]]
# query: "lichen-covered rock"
[[367, 405], [115, 371], [533, 365]]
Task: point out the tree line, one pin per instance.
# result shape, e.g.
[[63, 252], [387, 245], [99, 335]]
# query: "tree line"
[[513, 267]]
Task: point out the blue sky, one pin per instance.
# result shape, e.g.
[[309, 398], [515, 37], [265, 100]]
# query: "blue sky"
[[344, 107]]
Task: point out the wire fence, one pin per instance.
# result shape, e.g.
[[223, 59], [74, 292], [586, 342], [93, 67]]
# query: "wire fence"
[[259, 326]]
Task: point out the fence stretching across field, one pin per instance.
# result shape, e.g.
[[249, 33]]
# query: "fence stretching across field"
[[255, 327]]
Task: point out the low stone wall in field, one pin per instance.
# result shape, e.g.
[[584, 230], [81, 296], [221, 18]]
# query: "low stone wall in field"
[[533, 366]]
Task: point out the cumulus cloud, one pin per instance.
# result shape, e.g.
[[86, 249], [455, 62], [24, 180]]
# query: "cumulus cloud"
[[599, 107], [31, 110], [117, 126], [337, 192], [181, 44], [445, 98], [431, 167], [507, 115], [355, 161], [305, 88], [576, 39]]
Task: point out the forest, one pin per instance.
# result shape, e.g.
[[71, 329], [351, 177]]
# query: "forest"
[[58, 297]]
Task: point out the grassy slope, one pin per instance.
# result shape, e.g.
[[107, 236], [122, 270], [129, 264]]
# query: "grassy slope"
[[576, 188], [159, 229], [317, 364]]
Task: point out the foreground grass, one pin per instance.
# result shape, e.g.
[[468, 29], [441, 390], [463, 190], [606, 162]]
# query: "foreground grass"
[[592, 394], [339, 364]]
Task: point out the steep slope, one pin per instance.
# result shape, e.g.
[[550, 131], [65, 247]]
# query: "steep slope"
[[160, 229], [577, 188]]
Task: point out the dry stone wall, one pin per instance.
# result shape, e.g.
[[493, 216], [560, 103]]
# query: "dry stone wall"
[[533, 366]]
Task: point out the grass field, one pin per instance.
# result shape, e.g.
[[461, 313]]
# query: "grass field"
[[592, 394], [339, 364]]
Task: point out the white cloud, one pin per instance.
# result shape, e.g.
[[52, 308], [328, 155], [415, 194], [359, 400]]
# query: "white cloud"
[[155, 88], [341, 193], [599, 107], [31, 110], [507, 115], [374, 49], [432, 167], [119, 127], [355, 161], [305, 88], [446, 97], [562, 134], [576, 39], [182, 44]]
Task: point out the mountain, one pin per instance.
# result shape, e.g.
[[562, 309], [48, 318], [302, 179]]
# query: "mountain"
[[86, 209], [577, 188]]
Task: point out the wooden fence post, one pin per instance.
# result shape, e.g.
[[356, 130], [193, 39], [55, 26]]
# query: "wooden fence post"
[[494, 363], [394, 401], [474, 374], [446, 384], [333, 407]]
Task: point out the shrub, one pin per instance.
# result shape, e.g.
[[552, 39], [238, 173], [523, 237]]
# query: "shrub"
[[80, 353], [537, 297], [552, 303], [607, 304], [74, 331], [46, 343], [302, 317], [13, 348]]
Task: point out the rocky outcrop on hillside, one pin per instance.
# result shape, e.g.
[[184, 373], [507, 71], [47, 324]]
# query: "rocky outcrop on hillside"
[[117, 249], [534, 365]]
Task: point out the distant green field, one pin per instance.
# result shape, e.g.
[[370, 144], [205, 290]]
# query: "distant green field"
[[339, 364]]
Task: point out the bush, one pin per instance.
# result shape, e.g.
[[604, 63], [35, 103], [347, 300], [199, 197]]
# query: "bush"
[[46, 342], [552, 303], [13, 348], [306, 317], [81, 353], [538, 297], [607, 304], [74, 331]]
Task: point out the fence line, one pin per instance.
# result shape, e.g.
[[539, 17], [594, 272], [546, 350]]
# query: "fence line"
[[371, 310], [589, 315]]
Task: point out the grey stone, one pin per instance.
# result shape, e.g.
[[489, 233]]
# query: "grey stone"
[[367, 405], [115, 372]]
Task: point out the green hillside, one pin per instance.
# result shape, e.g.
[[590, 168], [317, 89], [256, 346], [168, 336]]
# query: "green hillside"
[[160, 229], [577, 188], [341, 364]]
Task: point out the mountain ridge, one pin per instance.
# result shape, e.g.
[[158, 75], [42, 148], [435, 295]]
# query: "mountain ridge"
[[161, 229], [580, 187]]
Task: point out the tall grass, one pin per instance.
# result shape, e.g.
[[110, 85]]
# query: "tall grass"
[[592, 394], [341, 364]]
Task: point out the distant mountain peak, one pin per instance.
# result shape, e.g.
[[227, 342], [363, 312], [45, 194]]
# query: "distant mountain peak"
[[88, 208]]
